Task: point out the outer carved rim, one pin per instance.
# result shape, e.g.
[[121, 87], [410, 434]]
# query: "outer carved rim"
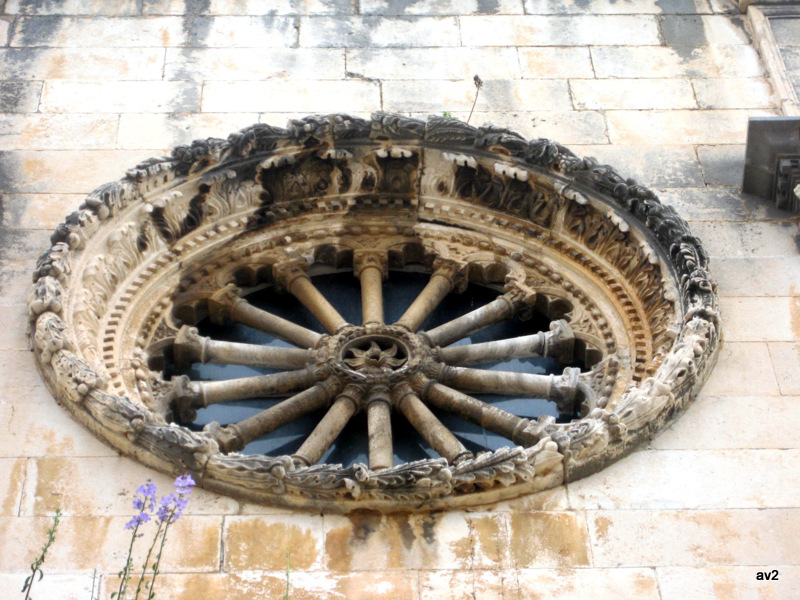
[[442, 177]]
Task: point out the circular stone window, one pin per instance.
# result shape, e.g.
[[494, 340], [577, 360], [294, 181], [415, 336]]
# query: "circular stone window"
[[384, 313]]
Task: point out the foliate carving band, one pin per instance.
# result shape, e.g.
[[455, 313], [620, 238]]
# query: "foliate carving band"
[[620, 279]]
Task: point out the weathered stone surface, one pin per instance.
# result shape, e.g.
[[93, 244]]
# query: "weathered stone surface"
[[659, 165], [695, 538], [753, 479], [71, 586], [733, 93], [743, 369], [262, 542], [12, 470], [760, 319], [722, 165], [165, 130], [547, 539], [247, 7], [705, 204], [432, 63], [751, 240], [611, 7], [71, 7], [556, 63], [77, 32], [466, 585], [400, 541], [602, 584], [120, 96], [290, 96], [37, 211], [56, 132], [441, 7], [102, 486], [3, 31], [755, 276], [786, 362], [623, 94], [242, 32], [20, 96], [234, 64], [704, 30], [681, 61], [726, 422], [95, 542], [496, 95], [684, 126], [580, 30], [378, 32], [94, 64], [734, 583]]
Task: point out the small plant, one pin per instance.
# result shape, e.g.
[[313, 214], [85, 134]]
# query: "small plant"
[[478, 85], [447, 114], [169, 510], [36, 566]]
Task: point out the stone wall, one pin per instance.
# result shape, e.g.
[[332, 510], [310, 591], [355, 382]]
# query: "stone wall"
[[661, 90]]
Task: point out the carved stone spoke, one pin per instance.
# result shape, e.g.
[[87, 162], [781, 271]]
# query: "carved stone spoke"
[[293, 276], [371, 269], [207, 393], [427, 425], [499, 309], [564, 389], [379, 429], [227, 305], [347, 404], [558, 343], [497, 420], [190, 348], [235, 437], [448, 276]]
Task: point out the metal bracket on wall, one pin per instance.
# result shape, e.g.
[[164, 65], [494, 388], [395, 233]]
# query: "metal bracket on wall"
[[772, 160]]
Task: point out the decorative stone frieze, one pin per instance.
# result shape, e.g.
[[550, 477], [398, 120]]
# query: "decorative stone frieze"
[[182, 238]]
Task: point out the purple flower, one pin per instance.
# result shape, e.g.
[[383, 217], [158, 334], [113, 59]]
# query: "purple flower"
[[137, 520], [184, 484], [148, 492]]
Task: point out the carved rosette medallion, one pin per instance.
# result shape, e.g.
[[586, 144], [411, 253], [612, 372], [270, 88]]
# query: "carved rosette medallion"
[[618, 276]]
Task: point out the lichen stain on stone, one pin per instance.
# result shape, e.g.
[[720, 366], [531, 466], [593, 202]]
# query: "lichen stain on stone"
[[46, 437], [559, 540], [794, 314], [57, 482], [253, 544], [13, 487], [714, 527], [489, 538], [393, 541], [601, 527]]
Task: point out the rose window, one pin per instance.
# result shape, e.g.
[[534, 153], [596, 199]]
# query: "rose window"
[[380, 313]]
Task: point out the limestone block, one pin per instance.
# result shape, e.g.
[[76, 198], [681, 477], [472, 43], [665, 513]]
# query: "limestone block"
[[290, 96], [757, 276], [55, 132], [682, 61], [433, 63], [691, 30], [556, 63], [439, 7], [722, 165], [679, 126], [420, 95], [103, 486], [248, 7], [652, 165], [72, 7], [94, 542], [96, 64], [727, 422], [747, 240], [622, 94], [733, 583], [743, 368], [165, 130], [234, 64], [738, 92], [242, 32], [67, 586], [37, 211], [467, 585], [262, 542], [20, 96], [378, 32], [78, 32], [612, 7], [786, 362], [371, 541], [759, 319], [709, 479], [579, 30], [120, 96], [695, 538], [548, 539], [600, 584], [12, 472]]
